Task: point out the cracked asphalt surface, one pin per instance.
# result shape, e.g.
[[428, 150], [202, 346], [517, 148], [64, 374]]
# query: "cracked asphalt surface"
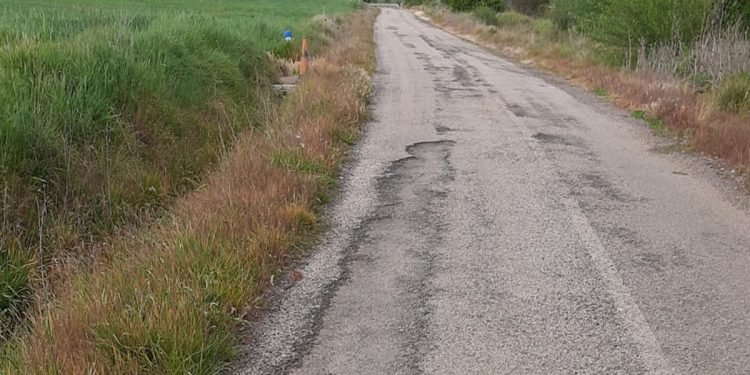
[[495, 220]]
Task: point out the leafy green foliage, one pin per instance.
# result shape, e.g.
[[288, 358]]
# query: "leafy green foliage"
[[621, 23], [652, 21], [736, 11], [486, 15], [514, 19], [530, 7], [467, 5], [496, 5], [575, 13]]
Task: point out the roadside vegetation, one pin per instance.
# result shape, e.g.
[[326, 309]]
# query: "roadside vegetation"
[[144, 205], [682, 64]]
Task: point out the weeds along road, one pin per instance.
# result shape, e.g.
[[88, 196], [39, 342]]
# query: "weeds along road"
[[495, 221]]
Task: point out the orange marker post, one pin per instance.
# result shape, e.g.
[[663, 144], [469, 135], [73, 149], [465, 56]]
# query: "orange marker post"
[[303, 64]]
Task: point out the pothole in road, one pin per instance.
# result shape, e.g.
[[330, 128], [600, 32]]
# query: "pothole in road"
[[453, 92], [442, 129], [551, 138], [461, 76], [518, 110], [411, 195]]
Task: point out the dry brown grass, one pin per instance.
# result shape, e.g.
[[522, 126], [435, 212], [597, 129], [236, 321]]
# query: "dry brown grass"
[[166, 299], [727, 136], [689, 116], [667, 103]]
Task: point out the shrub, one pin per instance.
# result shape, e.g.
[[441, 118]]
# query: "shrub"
[[513, 19], [486, 15], [460, 5], [622, 23], [652, 21], [569, 13], [496, 5], [467, 5], [531, 7], [544, 26], [734, 94]]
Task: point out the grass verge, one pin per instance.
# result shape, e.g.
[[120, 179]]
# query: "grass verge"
[[110, 110], [715, 122], [169, 297]]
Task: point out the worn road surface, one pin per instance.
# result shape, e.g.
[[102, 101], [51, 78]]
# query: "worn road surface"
[[495, 221]]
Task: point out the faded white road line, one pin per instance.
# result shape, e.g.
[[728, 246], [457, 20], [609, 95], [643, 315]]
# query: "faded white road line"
[[629, 311]]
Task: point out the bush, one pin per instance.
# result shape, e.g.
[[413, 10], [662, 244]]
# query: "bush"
[[544, 27], [496, 5], [570, 13], [652, 21], [734, 94], [622, 23], [460, 5], [513, 19], [530, 7], [467, 5], [486, 15]]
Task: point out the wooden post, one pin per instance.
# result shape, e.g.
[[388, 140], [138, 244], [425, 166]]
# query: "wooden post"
[[303, 64]]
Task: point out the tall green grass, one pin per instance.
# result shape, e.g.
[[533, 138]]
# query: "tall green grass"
[[486, 15], [15, 287], [622, 23], [733, 95], [109, 109], [691, 39], [171, 296]]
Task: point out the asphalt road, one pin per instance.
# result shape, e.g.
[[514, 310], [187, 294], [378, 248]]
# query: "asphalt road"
[[497, 221]]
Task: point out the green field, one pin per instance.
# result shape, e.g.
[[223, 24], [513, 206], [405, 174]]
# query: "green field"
[[256, 21], [110, 109], [72, 72]]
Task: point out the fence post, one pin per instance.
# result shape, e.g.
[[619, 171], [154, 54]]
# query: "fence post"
[[303, 64]]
